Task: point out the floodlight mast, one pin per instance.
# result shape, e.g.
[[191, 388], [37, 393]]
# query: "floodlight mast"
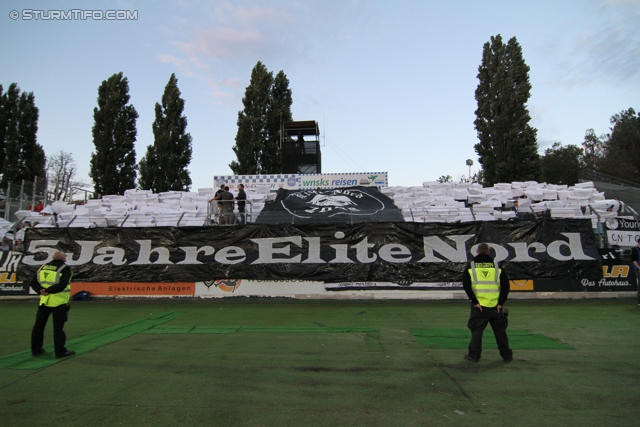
[[469, 163]]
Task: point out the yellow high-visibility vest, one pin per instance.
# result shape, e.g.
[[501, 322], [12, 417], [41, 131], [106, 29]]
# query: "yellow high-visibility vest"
[[49, 275], [485, 282]]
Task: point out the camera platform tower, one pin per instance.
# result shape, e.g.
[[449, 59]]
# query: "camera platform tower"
[[300, 146]]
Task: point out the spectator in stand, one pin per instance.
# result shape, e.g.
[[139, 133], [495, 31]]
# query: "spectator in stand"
[[241, 198], [6, 244], [36, 208], [225, 199], [635, 264], [19, 237], [216, 197]]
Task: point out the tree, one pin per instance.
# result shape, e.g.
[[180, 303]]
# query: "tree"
[[61, 173], [4, 117], [279, 111], [593, 150], [9, 116], [561, 165], [32, 157], [113, 164], [267, 103], [164, 167], [616, 153], [22, 157], [507, 150], [445, 178], [622, 152], [475, 177]]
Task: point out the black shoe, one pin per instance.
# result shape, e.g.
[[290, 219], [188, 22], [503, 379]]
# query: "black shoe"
[[38, 353], [509, 360], [65, 354], [471, 359]]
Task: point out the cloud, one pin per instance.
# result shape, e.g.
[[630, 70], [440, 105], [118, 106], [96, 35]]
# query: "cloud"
[[226, 40], [170, 59], [607, 49], [225, 44]]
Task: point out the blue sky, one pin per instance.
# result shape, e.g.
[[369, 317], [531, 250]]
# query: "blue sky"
[[391, 83]]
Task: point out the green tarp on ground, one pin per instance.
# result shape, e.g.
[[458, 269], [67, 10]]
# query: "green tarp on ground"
[[261, 329], [151, 325], [430, 338], [84, 343], [459, 338]]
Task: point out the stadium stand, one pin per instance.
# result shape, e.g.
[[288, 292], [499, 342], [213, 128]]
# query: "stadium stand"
[[431, 202]]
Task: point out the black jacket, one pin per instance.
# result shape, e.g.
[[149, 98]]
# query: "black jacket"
[[504, 281], [635, 256]]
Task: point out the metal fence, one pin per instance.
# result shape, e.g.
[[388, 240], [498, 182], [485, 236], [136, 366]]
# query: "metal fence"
[[25, 195], [226, 212]]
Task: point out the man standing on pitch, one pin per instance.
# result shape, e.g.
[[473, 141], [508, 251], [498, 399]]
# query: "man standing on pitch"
[[487, 286], [52, 282]]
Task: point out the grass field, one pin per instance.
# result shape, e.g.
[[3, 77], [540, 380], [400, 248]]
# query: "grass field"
[[274, 362]]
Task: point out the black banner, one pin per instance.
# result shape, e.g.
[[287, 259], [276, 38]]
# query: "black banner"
[[9, 263], [349, 204], [401, 253]]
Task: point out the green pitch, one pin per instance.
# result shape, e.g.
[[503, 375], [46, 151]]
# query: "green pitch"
[[252, 362]]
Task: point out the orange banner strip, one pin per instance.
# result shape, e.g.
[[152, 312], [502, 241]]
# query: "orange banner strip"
[[134, 288]]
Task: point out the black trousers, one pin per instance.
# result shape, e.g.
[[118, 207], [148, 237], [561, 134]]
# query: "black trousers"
[[241, 214], [59, 338], [478, 322]]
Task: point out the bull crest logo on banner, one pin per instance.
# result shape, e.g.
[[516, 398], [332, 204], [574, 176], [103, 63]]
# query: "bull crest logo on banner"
[[225, 285], [611, 223], [305, 204]]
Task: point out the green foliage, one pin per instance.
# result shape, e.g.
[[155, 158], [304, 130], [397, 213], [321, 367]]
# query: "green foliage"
[[561, 165], [113, 164], [507, 150], [616, 153], [445, 178], [164, 167], [623, 146], [21, 155], [475, 177], [267, 103], [593, 150], [4, 119]]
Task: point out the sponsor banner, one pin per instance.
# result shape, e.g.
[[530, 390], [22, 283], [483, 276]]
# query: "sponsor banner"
[[273, 182], [353, 204], [365, 252], [582, 285], [521, 285], [135, 288], [13, 288], [303, 181], [337, 180], [9, 285], [617, 274], [419, 286], [244, 287], [622, 232]]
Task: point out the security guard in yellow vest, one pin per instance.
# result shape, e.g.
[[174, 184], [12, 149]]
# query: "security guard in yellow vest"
[[53, 283], [487, 286]]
